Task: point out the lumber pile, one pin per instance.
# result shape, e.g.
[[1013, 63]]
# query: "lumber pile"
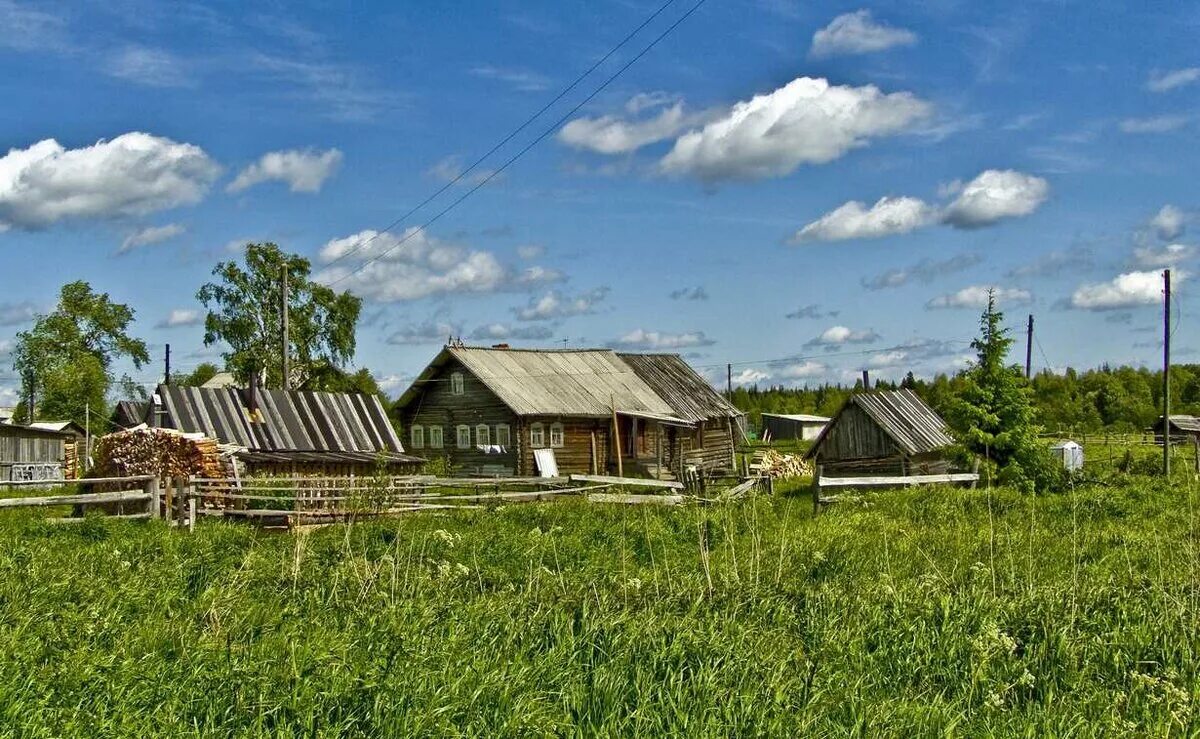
[[770, 463], [71, 464], [148, 451]]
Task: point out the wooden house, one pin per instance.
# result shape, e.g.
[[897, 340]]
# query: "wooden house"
[[1183, 428], [30, 453], [488, 409], [288, 432], [890, 432]]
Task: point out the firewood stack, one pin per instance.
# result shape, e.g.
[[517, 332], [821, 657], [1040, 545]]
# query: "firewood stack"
[[71, 464], [148, 451], [770, 463]]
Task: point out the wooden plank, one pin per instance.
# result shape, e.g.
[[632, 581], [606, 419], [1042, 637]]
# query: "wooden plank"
[[87, 481], [635, 499], [124, 516], [630, 481], [53, 500], [855, 482]]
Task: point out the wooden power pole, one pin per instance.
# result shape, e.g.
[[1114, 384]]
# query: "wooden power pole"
[[729, 381], [1029, 348], [167, 365], [1167, 372], [283, 320]]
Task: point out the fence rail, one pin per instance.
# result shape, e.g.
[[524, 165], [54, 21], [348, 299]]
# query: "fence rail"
[[143, 489]]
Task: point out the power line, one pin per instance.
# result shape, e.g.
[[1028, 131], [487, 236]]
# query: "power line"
[[496, 172], [511, 135]]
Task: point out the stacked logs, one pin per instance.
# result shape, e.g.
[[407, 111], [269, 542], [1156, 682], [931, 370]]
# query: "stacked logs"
[[162, 452], [770, 463]]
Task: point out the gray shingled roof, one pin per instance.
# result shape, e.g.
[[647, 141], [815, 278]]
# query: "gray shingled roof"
[[292, 421], [690, 396]]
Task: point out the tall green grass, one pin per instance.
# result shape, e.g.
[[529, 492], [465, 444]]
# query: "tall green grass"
[[914, 613]]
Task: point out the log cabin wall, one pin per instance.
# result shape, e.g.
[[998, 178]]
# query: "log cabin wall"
[[710, 446], [574, 457], [438, 406], [20, 445]]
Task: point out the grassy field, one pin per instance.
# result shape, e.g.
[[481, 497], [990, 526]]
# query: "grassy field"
[[914, 613]]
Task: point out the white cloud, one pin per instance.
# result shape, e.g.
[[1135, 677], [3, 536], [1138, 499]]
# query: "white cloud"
[[858, 33], [995, 195], [841, 335], [1168, 222], [25, 28], [530, 251], [131, 175], [15, 314], [304, 170], [1156, 124], [449, 169], [392, 384], [150, 235], [390, 267], [807, 121], [556, 305], [521, 80], [1166, 256], [180, 317], [1165, 81], [801, 370], [150, 67], [853, 220], [1123, 291], [611, 134], [505, 332], [749, 376], [976, 296], [660, 341], [887, 359], [432, 331]]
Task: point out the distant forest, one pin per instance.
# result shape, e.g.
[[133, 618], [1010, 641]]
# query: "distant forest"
[[1113, 398]]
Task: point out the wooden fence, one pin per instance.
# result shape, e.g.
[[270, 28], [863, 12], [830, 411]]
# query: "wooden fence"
[[143, 490]]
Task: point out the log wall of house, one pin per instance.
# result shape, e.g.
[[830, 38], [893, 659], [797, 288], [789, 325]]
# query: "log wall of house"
[[710, 446], [574, 457], [439, 406], [17, 447]]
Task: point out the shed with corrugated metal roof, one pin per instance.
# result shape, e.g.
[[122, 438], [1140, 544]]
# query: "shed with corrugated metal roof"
[[883, 432]]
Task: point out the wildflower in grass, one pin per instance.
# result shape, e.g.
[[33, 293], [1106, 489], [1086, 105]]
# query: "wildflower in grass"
[[446, 537], [634, 583], [995, 700]]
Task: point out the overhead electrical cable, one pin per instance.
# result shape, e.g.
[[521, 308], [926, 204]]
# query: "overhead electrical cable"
[[496, 172]]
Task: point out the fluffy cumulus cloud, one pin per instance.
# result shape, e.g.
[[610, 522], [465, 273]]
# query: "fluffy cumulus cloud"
[[181, 317], [993, 196], [131, 175], [1154, 124], [303, 170], [390, 267], [1165, 256], [858, 33], [554, 305], [1127, 290], [854, 220], [805, 370], [662, 341], [749, 376], [611, 134], [505, 332], [148, 236], [976, 296], [1168, 222], [807, 121], [836, 336], [1169, 80]]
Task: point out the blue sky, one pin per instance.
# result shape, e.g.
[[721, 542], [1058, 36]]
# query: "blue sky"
[[801, 189]]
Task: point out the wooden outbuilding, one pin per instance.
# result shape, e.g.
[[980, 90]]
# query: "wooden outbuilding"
[[1182, 428], [792, 426], [890, 432], [281, 432], [488, 410], [29, 453]]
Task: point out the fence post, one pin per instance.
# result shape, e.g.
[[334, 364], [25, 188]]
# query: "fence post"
[[168, 498], [180, 502], [191, 501], [816, 491], [151, 487]]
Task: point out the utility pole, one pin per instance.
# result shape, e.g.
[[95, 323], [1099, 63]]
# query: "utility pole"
[[1167, 373], [866, 380], [284, 325], [1029, 348], [167, 366], [87, 430], [729, 381]]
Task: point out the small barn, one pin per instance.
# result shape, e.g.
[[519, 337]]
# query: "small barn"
[[1069, 454], [488, 409], [792, 426], [128, 414], [889, 432], [1182, 428], [29, 453], [293, 432]]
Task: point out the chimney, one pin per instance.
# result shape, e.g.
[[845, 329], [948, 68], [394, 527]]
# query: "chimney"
[[252, 396], [866, 380]]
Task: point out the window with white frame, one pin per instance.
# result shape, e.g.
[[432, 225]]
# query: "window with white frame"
[[464, 436], [435, 437], [456, 383], [503, 435], [417, 436], [482, 435], [537, 435], [556, 435]]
